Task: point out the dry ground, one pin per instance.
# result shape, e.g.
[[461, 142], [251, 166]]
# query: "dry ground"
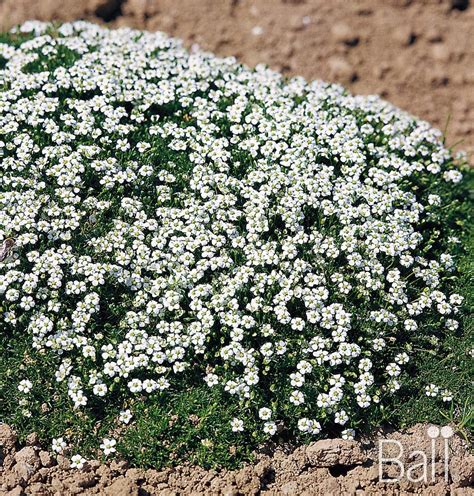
[[330, 467], [419, 55]]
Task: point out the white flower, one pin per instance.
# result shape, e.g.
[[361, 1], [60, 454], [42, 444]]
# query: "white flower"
[[265, 413], [315, 427], [304, 425], [58, 445], [434, 200], [446, 395], [135, 385], [142, 147], [77, 461], [410, 325], [348, 434], [432, 390], [297, 397], [211, 379], [108, 446], [453, 176], [341, 417], [237, 425], [309, 426], [25, 386], [304, 367], [100, 389], [270, 428], [125, 416], [393, 369]]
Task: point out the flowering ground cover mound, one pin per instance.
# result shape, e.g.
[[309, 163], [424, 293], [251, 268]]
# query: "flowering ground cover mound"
[[198, 257]]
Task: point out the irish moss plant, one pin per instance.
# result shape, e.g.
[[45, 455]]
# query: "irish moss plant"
[[198, 257]]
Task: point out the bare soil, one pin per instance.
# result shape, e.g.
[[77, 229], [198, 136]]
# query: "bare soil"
[[328, 467], [418, 54]]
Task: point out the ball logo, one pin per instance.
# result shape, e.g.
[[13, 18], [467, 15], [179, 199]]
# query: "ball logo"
[[416, 466]]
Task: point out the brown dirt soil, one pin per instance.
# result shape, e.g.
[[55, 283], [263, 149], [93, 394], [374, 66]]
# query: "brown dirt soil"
[[328, 467], [419, 54]]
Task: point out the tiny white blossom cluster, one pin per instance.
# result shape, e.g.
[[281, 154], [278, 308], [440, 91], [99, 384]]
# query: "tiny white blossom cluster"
[[177, 212]]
